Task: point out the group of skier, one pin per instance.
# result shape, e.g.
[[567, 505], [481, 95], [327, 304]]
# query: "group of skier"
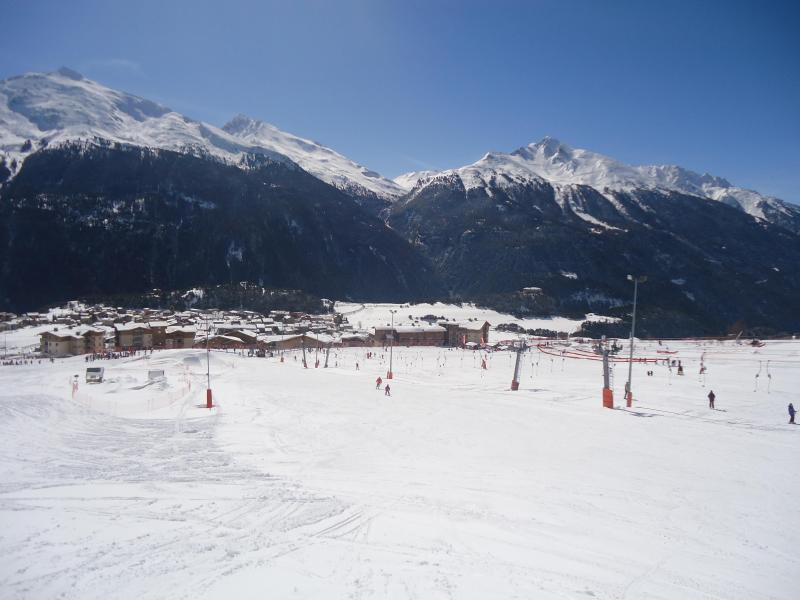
[[386, 390], [712, 397]]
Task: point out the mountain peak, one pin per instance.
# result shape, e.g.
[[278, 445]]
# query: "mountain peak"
[[557, 163], [242, 124], [69, 74]]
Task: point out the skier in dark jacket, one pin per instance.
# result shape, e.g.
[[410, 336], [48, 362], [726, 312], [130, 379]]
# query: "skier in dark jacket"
[[711, 397], [791, 414]]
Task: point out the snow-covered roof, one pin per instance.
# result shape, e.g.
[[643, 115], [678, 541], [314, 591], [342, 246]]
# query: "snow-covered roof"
[[420, 329], [131, 326], [64, 335], [181, 329], [472, 325], [277, 338], [229, 338], [322, 338]]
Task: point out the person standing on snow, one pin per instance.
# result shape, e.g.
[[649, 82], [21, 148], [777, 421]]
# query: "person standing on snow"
[[791, 414], [711, 397], [386, 391], [378, 383]]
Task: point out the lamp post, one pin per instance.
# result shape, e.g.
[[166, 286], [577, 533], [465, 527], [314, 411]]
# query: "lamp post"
[[628, 391], [390, 375]]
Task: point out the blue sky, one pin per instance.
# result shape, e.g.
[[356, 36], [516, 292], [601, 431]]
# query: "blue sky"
[[399, 86]]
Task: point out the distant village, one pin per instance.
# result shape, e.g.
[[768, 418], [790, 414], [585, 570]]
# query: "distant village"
[[78, 329]]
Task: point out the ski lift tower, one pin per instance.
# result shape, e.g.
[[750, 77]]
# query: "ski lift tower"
[[628, 391], [608, 393], [390, 375], [209, 402], [515, 382]]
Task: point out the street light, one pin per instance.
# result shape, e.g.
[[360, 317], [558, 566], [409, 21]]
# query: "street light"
[[628, 391], [390, 375]]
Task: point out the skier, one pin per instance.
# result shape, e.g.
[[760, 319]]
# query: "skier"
[[711, 397], [791, 414], [357, 369], [386, 391], [378, 383]]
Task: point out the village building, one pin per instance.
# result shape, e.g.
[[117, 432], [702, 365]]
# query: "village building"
[[425, 335], [356, 339], [60, 343], [221, 342], [133, 336], [249, 338], [179, 337], [159, 331], [294, 341], [71, 342], [466, 332], [95, 341]]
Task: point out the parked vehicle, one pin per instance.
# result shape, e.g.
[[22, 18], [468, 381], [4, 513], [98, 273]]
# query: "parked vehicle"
[[94, 374]]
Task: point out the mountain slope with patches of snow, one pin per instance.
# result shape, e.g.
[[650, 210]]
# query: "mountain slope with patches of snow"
[[561, 165]]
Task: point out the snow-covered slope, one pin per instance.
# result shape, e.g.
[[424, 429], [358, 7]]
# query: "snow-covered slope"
[[38, 109], [311, 483], [562, 165], [322, 162]]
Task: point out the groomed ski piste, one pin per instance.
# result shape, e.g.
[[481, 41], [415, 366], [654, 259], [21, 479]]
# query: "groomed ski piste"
[[312, 483]]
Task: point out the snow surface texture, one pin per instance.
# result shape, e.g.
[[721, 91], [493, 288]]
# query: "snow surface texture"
[[365, 316], [313, 484], [64, 106], [563, 166]]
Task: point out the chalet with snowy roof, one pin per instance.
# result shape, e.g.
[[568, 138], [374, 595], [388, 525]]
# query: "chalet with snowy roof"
[[319, 340], [356, 339], [133, 336], [295, 341], [179, 337], [466, 332], [282, 342], [248, 337], [425, 335], [69, 342], [221, 342], [159, 330]]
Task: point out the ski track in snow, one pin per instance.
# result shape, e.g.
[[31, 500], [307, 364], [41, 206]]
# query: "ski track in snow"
[[311, 483]]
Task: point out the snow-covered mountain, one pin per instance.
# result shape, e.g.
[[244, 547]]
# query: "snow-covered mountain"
[[408, 180], [562, 166], [42, 109], [322, 162]]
